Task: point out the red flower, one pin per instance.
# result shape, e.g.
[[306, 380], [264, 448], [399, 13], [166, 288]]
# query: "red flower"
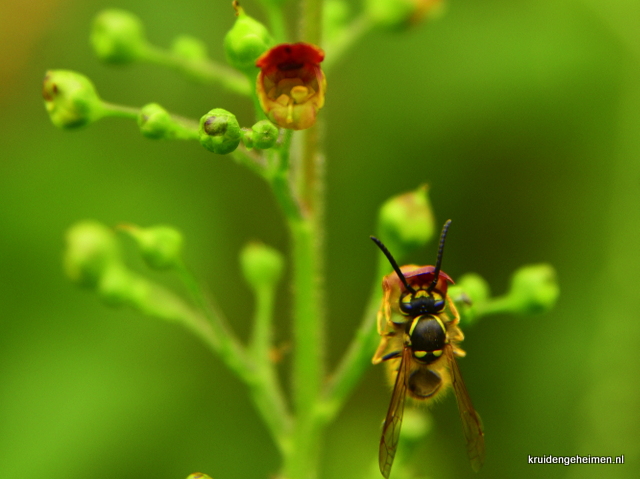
[[291, 85]]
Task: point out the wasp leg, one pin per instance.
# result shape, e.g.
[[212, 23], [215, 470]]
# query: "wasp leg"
[[379, 356]]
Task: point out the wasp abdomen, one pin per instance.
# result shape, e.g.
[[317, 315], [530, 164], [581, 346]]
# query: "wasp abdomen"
[[424, 383]]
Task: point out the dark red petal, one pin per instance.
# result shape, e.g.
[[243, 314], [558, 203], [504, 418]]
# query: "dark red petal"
[[290, 55]]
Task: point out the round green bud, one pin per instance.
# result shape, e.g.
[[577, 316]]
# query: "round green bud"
[[474, 287], [220, 131], [189, 48], [160, 246], [405, 222], [416, 424], [261, 265], [534, 289], [246, 41], [265, 134], [91, 249], [198, 475], [71, 99], [118, 36], [469, 293], [116, 286], [155, 122]]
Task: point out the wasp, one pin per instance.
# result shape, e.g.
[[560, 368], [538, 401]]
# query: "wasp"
[[418, 325]]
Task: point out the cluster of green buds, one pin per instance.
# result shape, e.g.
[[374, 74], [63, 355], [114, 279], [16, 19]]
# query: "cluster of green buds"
[[406, 223], [93, 259], [220, 133], [534, 289]]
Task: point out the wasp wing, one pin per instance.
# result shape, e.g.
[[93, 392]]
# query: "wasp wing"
[[393, 421], [471, 422]]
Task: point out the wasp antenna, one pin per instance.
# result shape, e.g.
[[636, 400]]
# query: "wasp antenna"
[[436, 272], [395, 266]]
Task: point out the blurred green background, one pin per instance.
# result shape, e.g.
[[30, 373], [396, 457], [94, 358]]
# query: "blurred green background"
[[524, 117]]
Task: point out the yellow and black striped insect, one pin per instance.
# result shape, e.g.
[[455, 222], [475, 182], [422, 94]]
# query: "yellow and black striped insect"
[[418, 323]]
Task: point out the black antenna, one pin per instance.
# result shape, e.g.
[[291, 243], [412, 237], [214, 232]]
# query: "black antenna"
[[396, 268], [436, 271]]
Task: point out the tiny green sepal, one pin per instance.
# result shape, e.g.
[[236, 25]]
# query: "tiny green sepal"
[[534, 289], [265, 134], [71, 99], [198, 475], [220, 131], [406, 222], [118, 37], [246, 41], [91, 249], [261, 265], [160, 246], [189, 48]]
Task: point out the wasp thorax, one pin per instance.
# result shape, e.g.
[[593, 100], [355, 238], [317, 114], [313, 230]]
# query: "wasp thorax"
[[428, 337], [421, 302]]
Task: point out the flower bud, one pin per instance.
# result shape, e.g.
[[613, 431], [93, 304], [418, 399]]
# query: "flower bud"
[[118, 36], [417, 424], [265, 135], [534, 289], [470, 291], [189, 48], [160, 246], [261, 265], [198, 475], [405, 222], [91, 249], [220, 131], [246, 41], [155, 122], [119, 286], [394, 14], [71, 99], [474, 287]]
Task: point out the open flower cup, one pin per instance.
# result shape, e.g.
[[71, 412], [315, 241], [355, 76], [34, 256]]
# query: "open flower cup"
[[291, 84]]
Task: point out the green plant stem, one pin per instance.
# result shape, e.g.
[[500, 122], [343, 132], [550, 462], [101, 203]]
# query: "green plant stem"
[[249, 159], [206, 71], [272, 405], [359, 353], [348, 37], [497, 305], [185, 128], [120, 111], [308, 361], [265, 390]]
